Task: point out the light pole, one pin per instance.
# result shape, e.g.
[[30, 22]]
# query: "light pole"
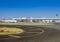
[[57, 15]]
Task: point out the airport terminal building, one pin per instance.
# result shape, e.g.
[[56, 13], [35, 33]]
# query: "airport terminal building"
[[24, 19], [30, 19]]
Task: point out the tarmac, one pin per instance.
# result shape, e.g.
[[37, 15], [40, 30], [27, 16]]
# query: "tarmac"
[[51, 34]]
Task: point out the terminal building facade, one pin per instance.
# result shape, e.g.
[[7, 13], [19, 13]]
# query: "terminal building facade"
[[30, 19], [24, 19]]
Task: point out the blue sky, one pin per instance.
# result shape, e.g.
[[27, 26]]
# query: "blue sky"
[[29, 8]]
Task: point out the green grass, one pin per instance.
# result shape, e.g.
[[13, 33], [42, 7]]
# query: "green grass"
[[10, 31], [28, 23], [6, 33]]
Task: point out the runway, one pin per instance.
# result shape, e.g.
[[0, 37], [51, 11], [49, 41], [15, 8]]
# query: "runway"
[[50, 35]]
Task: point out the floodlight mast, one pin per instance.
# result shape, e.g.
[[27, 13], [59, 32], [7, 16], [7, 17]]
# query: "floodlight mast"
[[57, 11], [57, 15]]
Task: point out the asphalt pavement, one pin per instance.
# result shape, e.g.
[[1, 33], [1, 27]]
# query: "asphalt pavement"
[[51, 34]]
